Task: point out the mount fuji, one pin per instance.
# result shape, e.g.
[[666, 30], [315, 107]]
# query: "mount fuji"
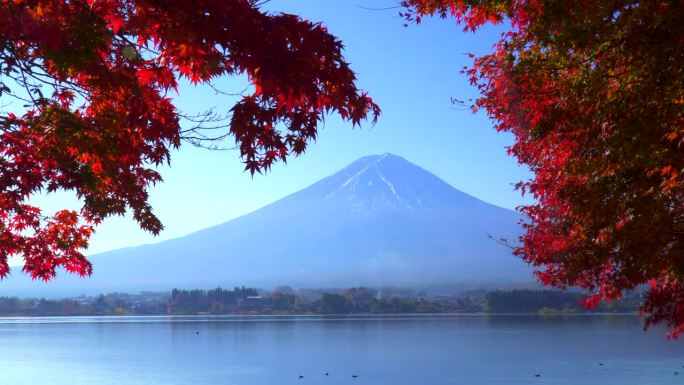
[[379, 221]]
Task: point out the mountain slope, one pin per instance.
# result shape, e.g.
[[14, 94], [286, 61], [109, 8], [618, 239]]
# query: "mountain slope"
[[379, 221]]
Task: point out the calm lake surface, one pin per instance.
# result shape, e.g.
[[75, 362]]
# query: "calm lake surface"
[[392, 350]]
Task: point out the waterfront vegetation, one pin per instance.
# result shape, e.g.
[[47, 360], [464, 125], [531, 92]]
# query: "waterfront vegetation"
[[285, 300]]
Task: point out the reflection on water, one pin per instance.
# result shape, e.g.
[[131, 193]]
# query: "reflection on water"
[[396, 350]]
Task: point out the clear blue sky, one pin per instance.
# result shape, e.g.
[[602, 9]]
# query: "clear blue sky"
[[410, 72]]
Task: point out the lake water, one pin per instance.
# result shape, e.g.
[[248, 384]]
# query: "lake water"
[[392, 350]]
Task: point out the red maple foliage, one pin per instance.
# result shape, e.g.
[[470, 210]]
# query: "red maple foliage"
[[94, 76], [593, 92]]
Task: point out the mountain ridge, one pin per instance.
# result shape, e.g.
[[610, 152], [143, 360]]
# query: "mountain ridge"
[[381, 220]]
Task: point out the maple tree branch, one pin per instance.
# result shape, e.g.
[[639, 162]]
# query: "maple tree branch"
[[30, 73], [380, 8], [221, 92], [503, 242], [259, 3], [27, 87], [130, 43], [204, 123]]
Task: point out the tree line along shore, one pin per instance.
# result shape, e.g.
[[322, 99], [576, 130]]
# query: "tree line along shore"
[[285, 300]]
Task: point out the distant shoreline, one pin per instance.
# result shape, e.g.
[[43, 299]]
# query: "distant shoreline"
[[358, 301], [312, 317]]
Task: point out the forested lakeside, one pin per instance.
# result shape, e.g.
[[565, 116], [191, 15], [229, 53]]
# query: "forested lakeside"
[[287, 301]]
